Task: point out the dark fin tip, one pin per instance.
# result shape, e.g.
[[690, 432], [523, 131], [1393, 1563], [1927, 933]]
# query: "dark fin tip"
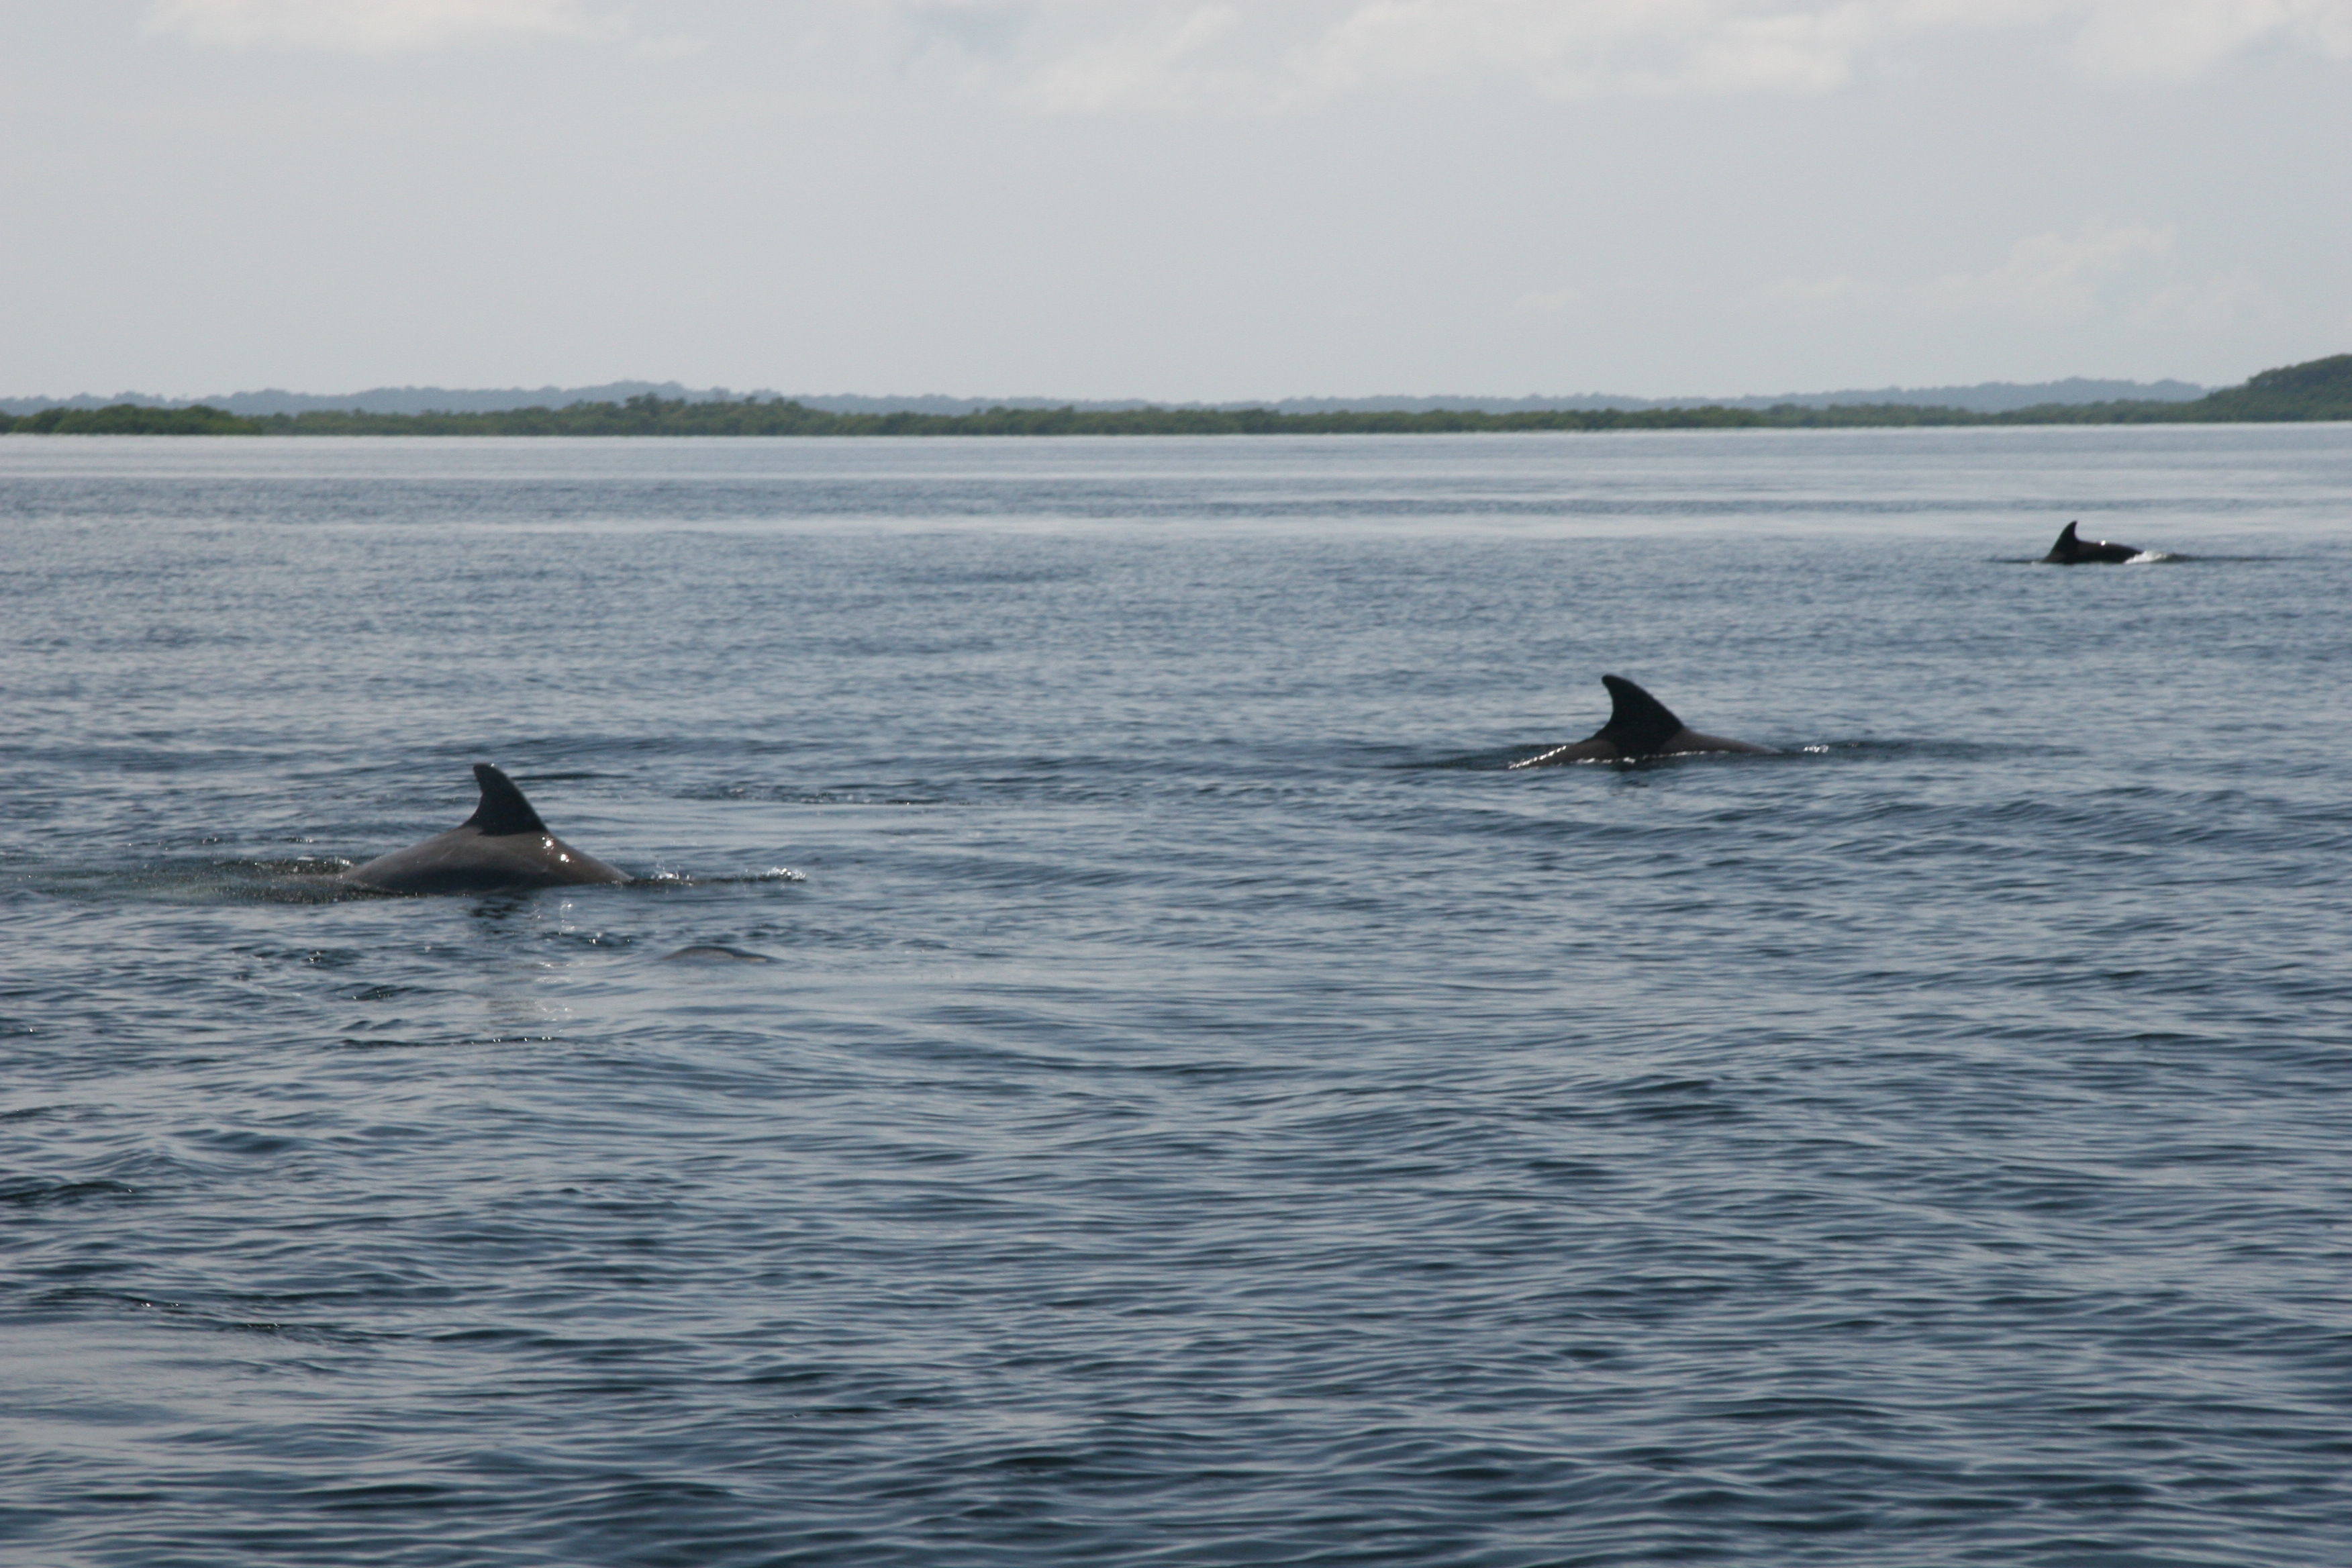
[[503, 809]]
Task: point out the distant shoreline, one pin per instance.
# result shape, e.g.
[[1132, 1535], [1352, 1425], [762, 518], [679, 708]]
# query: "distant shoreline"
[[1981, 397], [2316, 389]]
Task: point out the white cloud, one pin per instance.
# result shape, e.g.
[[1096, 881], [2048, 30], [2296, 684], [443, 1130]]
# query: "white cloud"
[[1574, 49], [1095, 55], [2050, 274], [2174, 40], [2101, 269], [2214, 305], [1161, 63], [373, 27]]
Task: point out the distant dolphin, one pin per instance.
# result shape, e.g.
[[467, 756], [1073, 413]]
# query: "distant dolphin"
[[503, 847], [1639, 726], [2072, 552]]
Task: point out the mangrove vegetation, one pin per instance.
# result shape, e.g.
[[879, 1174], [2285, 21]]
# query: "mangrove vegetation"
[[2316, 389]]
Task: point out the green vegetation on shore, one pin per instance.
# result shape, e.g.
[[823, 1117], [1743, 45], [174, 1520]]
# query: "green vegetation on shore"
[[129, 419], [2316, 389]]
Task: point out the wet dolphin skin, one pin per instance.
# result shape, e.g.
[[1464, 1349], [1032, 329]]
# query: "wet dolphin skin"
[[503, 847]]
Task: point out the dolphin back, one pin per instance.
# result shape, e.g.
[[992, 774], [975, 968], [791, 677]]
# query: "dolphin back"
[[1639, 726], [503, 847], [2071, 550]]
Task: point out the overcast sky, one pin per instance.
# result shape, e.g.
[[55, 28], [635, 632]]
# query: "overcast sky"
[[1170, 199]]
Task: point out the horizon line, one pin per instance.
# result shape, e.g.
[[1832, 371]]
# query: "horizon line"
[[2167, 388]]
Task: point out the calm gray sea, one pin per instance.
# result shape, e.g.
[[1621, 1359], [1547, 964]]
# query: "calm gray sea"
[[1183, 1099]]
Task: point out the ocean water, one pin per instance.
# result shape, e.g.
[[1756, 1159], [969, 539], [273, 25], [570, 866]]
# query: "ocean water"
[[1168, 1092]]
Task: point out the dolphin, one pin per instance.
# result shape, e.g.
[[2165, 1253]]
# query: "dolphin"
[[503, 847], [1639, 726], [2072, 552]]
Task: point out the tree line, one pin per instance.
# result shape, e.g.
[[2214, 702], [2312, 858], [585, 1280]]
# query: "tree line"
[[2317, 389]]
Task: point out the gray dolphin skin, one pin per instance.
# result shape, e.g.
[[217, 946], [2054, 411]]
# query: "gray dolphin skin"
[[2071, 551], [714, 953], [1639, 726], [502, 847]]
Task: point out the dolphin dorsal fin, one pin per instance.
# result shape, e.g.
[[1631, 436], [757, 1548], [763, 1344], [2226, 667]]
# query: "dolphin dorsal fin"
[[1637, 720], [2066, 536], [503, 809]]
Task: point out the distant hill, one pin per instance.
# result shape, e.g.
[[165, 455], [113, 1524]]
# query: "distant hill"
[[1985, 397], [2316, 390]]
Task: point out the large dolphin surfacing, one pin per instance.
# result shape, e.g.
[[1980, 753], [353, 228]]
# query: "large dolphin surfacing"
[[2071, 551], [1639, 726], [502, 847]]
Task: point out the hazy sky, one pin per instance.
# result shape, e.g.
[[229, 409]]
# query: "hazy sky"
[[1170, 199]]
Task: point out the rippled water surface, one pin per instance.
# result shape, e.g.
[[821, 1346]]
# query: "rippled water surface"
[[1154, 1087]]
